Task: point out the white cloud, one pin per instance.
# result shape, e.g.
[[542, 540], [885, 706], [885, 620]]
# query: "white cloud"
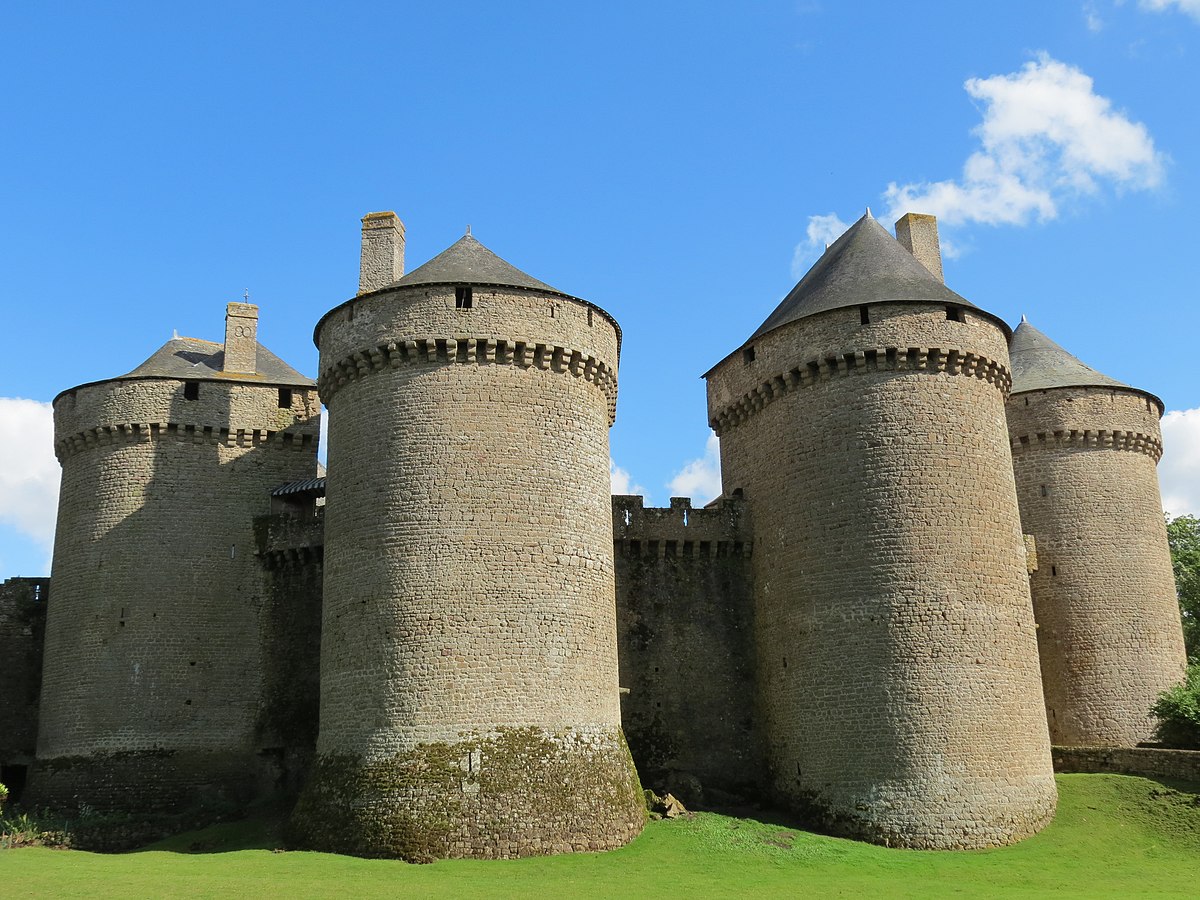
[[1046, 139], [1179, 468], [1189, 7], [1091, 18], [621, 482], [29, 473], [821, 230], [700, 479]]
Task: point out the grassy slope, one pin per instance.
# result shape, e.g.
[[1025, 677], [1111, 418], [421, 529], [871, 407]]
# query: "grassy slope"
[[1113, 836]]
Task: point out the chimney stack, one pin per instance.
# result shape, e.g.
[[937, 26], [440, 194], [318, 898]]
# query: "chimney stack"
[[241, 338], [918, 234], [382, 260]]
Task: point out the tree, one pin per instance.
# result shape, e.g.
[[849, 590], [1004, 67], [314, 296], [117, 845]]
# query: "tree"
[[1183, 535]]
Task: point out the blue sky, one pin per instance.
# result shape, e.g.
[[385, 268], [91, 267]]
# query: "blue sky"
[[677, 164]]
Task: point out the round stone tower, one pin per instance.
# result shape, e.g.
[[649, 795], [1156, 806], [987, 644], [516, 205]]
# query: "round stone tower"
[[1085, 447], [469, 694], [898, 671], [152, 672]]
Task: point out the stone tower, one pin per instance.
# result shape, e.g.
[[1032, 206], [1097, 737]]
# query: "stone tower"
[[152, 665], [1085, 447], [898, 673], [469, 694]]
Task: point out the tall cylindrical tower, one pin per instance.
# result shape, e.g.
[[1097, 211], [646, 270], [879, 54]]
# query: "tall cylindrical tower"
[[1085, 447], [898, 672], [152, 671], [469, 695]]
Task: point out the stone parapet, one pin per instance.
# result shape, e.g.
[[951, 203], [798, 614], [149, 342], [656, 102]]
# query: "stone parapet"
[[1149, 762]]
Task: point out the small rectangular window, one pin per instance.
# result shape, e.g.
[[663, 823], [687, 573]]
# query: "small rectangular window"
[[748, 355], [864, 315], [589, 317], [191, 390], [955, 314], [463, 298], [285, 398]]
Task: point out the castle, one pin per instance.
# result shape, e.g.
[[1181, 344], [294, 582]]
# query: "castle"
[[939, 548]]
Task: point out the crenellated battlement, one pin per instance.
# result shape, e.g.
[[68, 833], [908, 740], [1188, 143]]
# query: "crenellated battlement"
[[1095, 439], [722, 529], [184, 433], [951, 361], [286, 540], [470, 350]]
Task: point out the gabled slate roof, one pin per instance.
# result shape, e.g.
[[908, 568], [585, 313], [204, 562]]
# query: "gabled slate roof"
[[467, 261], [1039, 364], [192, 358], [864, 265]]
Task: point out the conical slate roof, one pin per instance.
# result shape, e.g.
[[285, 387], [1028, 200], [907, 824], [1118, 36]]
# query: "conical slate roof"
[[467, 261], [1039, 364], [192, 358], [864, 265]]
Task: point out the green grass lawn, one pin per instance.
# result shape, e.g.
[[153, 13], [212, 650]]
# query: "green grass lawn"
[[1113, 836]]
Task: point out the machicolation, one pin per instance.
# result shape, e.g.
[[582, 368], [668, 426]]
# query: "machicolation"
[[939, 548]]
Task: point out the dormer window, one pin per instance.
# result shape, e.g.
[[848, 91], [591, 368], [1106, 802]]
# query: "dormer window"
[[463, 298]]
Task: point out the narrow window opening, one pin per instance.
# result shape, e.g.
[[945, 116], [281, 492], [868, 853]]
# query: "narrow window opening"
[[785, 662], [1026, 401], [589, 317], [748, 355], [191, 390], [864, 314], [285, 398], [628, 517], [685, 512], [463, 298], [552, 310], [954, 313], [1045, 493], [1054, 570]]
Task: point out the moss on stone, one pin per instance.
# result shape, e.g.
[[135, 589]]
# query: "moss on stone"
[[513, 792]]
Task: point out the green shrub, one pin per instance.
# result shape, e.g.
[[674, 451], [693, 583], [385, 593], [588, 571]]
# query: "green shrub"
[[1178, 712], [3, 795]]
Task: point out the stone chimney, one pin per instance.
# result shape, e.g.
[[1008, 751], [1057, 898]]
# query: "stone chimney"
[[382, 260], [241, 338], [917, 233]]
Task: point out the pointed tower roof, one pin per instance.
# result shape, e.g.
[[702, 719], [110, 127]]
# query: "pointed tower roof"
[[864, 265], [1039, 364], [191, 358], [467, 261]]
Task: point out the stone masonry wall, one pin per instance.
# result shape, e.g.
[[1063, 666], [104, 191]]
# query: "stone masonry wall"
[[153, 668], [897, 657], [22, 627], [291, 550], [1104, 593], [685, 629], [468, 658], [1148, 762]]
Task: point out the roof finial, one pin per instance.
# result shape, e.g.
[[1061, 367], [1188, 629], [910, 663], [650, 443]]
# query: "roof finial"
[[468, 229], [1024, 321], [174, 334], [246, 295], [827, 246], [869, 216]]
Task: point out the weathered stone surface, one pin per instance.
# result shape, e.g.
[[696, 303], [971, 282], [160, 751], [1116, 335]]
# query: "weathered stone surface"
[[153, 671], [685, 628], [1109, 632], [468, 581], [22, 634], [897, 659]]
